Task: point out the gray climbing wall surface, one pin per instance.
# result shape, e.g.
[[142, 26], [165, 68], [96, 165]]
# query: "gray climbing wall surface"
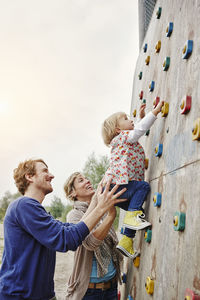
[[171, 260]]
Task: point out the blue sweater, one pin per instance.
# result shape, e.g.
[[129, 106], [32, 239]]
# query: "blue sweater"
[[31, 239]]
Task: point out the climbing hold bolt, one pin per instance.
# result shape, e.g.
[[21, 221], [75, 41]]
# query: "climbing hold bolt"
[[158, 13], [145, 48], [187, 49], [119, 295], [156, 101], [190, 295], [196, 130], [158, 46], [148, 235], [179, 221], [146, 163], [147, 132], [166, 63], [157, 199], [136, 261], [186, 105], [165, 109], [149, 285], [151, 86], [124, 277], [141, 95], [159, 150], [147, 60], [169, 29]]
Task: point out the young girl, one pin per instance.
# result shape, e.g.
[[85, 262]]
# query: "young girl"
[[127, 169]]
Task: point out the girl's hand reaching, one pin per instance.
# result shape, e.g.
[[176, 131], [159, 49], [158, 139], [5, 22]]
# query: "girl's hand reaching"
[[158, 108], [142, 111]]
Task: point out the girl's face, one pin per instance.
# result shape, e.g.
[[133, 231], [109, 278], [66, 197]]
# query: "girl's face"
[[124, 123], [83, 189]]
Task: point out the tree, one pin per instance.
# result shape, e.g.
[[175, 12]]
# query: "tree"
[[65, 212], [5, 201], [56, 207], [95, 169]]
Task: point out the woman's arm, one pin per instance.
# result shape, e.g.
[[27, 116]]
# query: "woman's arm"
[[95, 238], [102, 230], [106, 201]]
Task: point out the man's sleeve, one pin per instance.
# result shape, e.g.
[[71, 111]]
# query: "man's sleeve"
[[46, 230]]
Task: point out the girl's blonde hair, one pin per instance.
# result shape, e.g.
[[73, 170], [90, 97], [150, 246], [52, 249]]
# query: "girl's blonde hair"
[[69, 186], [109, 127]]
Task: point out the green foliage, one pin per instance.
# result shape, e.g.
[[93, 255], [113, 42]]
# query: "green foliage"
[[67, 209], [5, 201], [116, 221], [56, 207], [95, 169]]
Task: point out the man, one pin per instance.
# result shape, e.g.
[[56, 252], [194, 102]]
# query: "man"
[[32, 236]]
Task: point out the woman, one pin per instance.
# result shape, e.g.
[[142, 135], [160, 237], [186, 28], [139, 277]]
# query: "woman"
[[96, 269]]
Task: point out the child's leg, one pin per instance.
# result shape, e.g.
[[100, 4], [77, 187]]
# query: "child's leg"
[[125, 245], [129, 232], [137, 192]]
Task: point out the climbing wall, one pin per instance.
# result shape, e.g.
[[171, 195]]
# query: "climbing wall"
[[168, 69]]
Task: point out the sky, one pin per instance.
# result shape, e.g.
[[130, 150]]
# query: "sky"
[[65, 66]]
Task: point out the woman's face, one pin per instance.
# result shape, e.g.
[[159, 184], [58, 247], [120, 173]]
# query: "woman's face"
[[83, 189]]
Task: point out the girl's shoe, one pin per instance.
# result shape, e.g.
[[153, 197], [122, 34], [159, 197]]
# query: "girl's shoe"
[[135, 220], [125, 246]]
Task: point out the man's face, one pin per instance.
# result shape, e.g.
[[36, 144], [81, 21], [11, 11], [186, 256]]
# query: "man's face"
[[42, 178], [83, 188]]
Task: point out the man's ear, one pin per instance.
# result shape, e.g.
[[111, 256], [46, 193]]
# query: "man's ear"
[[29, 177]]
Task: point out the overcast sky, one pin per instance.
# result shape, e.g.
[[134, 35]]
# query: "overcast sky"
[[65, 65]]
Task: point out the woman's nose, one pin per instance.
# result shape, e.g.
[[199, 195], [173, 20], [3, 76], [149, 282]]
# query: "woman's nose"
[[51, 175]]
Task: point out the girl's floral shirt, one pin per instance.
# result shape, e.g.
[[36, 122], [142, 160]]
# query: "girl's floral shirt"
[[127, 160]]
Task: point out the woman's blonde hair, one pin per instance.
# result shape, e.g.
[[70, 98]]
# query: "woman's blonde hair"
[[25, 168], [109, 127], [69, 186]]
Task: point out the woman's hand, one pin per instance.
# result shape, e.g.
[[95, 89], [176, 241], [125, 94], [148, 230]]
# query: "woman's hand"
[[107, 199], [112, 212]]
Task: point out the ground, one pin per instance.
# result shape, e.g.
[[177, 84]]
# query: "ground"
[[64, 262]]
